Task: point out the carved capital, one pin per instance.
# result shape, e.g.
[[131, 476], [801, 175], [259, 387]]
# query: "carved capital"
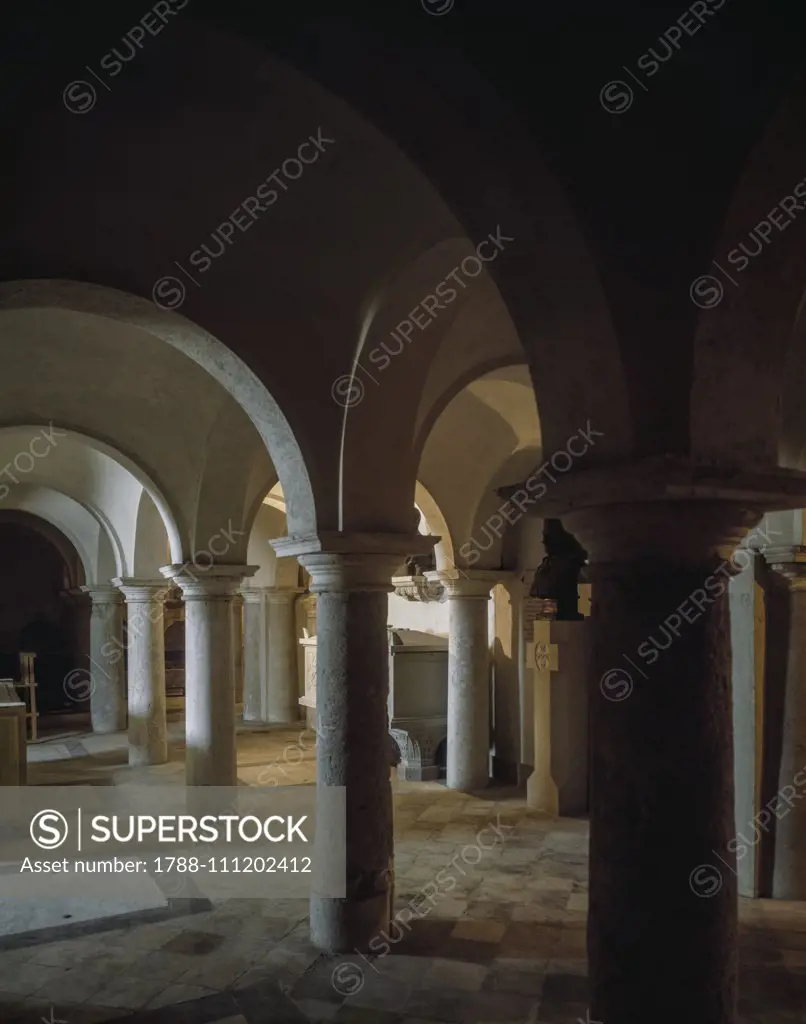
[[418, 588]]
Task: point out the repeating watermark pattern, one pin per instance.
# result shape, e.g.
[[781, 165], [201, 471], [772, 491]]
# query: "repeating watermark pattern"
[[437, 7], [706, 880], [617, 95], [170, 291], [23, 462], [80, 684], [708, 290], [514, 508], [617, 683], [349, 389], [81, 95], [348, 978]]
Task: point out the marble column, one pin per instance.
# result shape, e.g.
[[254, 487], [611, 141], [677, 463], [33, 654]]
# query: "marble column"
[[353, 748], [145, 642], [107, 663], [662, 925], [469, 726], [786, 811], [210, 754]]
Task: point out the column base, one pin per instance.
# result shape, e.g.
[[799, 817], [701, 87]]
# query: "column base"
[[342, 926]]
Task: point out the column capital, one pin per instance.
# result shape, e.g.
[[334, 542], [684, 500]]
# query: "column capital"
[[468, 583], [684, 532], [141, 591], [103, 593], [344, 562], [217, 581], [662, 479]]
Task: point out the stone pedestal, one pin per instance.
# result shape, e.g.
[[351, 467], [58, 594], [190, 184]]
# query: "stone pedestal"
[[558, 658], [351, 576], [210, 661], [107, 664], [145, 643]]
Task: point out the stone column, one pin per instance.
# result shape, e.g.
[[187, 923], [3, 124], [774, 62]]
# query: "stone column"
[[353, 748], [662, 925], [468, 675], [746, 738], [145, 640], [210, 755], [271, 687], [788, 808], [256, 652], [238, 645], [107, 664], [282, 704]]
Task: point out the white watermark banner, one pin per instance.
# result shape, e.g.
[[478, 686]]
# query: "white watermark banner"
[[203, 842]]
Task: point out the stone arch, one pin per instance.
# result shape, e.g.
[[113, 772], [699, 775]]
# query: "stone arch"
[[99, 548], [98, 476], [77, 562], [750, 338], [202, 348]]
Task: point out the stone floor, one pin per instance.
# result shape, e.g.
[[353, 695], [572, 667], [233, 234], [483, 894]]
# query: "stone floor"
[[500, 940]]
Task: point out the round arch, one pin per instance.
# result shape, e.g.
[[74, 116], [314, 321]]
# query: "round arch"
[[206, 351]]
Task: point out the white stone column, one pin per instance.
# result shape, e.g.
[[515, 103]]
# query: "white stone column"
[[468, 675], [107, 663], [271, 686], [210, 755], [238, 646], [789, 808], [351, 574], [282, 703], [746, 741], [256, 652], [145, 641]]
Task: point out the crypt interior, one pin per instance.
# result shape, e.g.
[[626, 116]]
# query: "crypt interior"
[[359, 432]]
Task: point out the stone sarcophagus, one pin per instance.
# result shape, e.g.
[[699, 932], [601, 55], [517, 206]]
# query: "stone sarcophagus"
[[418, 701]]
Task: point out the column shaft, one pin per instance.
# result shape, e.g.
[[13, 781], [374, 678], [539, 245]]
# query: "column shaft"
[[283, 687], [788, 807], [662, 923], [210, 667], [210, 757], [145, 636], [352, 750], [468, 694], [107, 664], [255, 629]]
